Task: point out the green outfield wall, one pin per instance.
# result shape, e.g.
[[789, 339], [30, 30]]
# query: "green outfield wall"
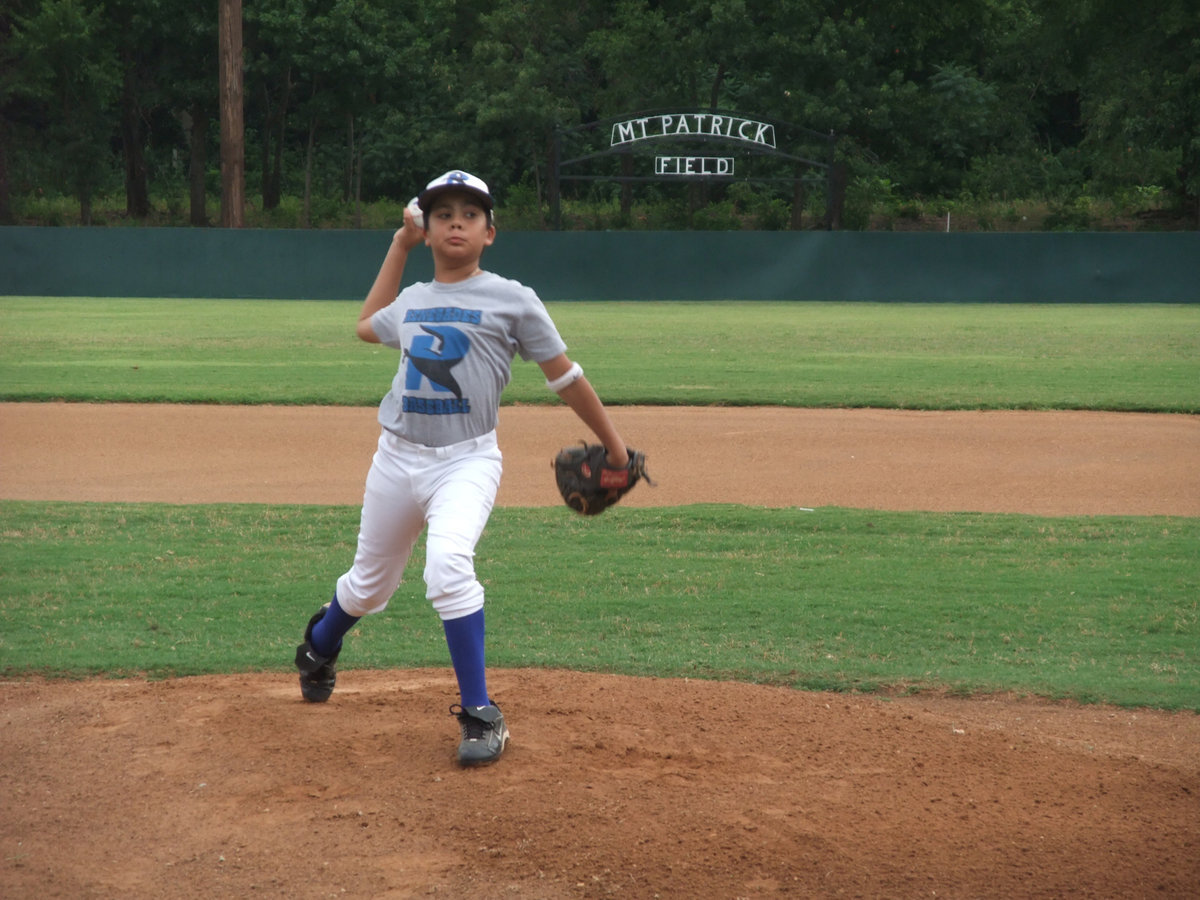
[[816, 265]]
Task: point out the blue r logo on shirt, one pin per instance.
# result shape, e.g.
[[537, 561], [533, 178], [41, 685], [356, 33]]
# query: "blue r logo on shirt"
[[432, 355]]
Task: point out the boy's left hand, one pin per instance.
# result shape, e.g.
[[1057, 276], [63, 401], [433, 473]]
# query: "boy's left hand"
[[589, 484]]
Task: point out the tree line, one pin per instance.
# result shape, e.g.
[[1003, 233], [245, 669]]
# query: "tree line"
[[353, 101]]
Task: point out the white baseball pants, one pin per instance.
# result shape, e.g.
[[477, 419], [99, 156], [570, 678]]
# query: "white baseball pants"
[[410, 486]]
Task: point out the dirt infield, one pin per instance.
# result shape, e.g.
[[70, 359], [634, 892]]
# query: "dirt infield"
[[1031, 462], [613, 786]]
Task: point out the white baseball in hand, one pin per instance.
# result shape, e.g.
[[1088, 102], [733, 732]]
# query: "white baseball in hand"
[[418, 217]]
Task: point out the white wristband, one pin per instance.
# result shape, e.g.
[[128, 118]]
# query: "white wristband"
[[565, 380]]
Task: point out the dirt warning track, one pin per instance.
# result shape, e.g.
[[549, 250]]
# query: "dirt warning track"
[[1046, 463]]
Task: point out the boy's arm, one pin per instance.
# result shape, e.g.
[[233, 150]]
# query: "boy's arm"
[[582, 398], [387, 282]]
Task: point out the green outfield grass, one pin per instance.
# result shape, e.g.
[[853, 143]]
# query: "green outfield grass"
[[921, 356], [1094, 609]]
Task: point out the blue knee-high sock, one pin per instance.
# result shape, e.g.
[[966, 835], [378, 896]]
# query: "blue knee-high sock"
[[327, 634], [464, 638]]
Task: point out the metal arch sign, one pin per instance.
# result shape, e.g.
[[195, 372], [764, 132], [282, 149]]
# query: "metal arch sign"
[[692, 125], [674, 145]]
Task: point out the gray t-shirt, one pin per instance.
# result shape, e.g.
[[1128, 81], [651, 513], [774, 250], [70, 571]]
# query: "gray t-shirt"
[[458, 342]]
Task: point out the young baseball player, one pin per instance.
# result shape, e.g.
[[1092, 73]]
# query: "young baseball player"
[[437, 465]]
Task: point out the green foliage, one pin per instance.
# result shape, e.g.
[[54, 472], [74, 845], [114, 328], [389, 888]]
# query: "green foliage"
[[348, 103], [940, 356], [1133, 106], [1096, 609], [69, 67], [1075, 215]]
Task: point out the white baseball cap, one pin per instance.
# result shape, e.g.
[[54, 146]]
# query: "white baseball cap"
[[459, 181]]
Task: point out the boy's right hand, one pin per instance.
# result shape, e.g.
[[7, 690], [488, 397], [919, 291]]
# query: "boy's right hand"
[[418, 217], [410, 234]]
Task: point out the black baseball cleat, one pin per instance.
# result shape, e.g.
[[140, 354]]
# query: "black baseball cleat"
[[484, 734], [318, 674]]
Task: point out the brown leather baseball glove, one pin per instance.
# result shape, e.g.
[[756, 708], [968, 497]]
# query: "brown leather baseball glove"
[[588, 484]]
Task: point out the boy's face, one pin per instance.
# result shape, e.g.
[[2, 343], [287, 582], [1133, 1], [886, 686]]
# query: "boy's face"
[[458, 226]]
